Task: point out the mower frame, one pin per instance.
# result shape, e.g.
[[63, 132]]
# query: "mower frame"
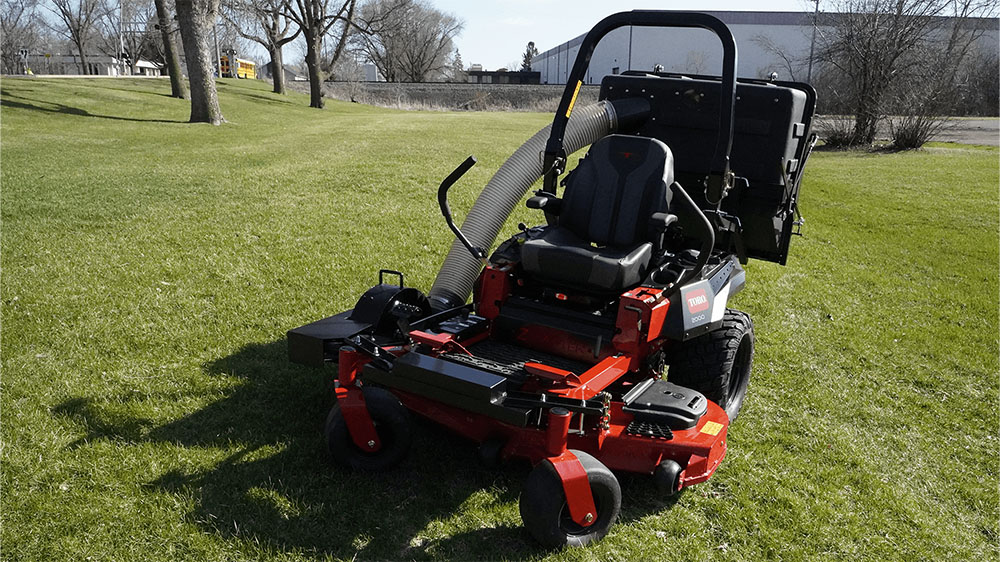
[[585, 394]]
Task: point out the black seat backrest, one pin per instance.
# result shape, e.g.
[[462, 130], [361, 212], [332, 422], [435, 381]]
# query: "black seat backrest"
[[612, 193]]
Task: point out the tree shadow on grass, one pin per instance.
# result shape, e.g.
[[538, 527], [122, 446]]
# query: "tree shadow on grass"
[[53, 107], [277, 487], [232, 91]]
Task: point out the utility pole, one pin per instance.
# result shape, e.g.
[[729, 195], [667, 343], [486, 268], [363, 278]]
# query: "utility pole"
[[812, 44], [134, 28], [121, 37]]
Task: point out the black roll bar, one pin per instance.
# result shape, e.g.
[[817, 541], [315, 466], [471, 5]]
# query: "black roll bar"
[[719, 176]]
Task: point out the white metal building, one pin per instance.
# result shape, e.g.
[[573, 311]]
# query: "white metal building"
[[147, 68], [98, 65], [760, 36]]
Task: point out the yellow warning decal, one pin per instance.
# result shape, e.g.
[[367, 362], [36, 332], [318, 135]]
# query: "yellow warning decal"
[[572, 100], [712, 428]]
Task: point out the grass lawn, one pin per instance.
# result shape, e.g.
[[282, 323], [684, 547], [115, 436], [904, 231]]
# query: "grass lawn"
[[150, 269]]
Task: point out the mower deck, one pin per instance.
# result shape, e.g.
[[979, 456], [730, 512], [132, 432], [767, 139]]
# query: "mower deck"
[[455, 373]]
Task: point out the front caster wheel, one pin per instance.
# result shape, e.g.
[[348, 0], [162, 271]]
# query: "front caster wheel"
[[392, 423], [546, 514], [489, 453], [667, 477]]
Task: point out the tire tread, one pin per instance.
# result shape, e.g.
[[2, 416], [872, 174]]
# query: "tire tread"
[[704, 363]]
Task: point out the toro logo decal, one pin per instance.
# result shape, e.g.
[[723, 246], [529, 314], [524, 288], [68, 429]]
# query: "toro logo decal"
[[697, 301]]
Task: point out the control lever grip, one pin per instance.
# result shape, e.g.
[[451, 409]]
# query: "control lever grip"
[[476, 251]]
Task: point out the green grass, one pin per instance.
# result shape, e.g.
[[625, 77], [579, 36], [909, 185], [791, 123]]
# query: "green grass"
[[150, 269]]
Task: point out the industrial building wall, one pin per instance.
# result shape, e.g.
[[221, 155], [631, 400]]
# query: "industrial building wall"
[[686, 50], [698, 51]]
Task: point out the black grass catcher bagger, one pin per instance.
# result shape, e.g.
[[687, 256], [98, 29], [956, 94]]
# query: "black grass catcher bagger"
[[601, 341]]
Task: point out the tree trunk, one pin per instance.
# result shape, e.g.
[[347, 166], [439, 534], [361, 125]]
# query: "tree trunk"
[[313, 48], [867, 115], [177, 87], [195, 18], [84, 69], [277, 70], [865, 126]]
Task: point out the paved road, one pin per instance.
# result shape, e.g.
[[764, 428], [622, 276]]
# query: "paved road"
[[972, 131]]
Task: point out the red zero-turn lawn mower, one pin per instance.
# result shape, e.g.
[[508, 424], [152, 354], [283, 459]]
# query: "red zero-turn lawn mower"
[[560, 357]]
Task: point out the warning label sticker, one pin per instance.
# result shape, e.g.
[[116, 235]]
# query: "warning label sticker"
[[712, 428]]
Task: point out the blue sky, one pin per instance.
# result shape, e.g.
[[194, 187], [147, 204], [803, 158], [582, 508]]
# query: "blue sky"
[[497, 31]]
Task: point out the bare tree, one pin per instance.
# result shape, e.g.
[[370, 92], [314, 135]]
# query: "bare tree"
[[229, 36], [933, 89], [127, 30], [980, 83], [316, 19], [178, 88], [408, 40], [264, 22], [80, 20], [18, 30], [695, 62], [963, 30], [787, 61], [196, 19], [876, 45]]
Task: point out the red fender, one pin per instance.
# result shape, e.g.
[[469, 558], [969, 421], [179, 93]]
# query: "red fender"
[[352, 401]]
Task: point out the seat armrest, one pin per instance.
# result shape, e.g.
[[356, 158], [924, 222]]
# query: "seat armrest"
[[660, 221], [545, 201]]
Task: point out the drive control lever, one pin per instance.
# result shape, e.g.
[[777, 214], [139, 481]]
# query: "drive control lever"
[[476, 251]]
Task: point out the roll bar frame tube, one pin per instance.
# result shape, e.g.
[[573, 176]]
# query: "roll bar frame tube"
[[555, 158]]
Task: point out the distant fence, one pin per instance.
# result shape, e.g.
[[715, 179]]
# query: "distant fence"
[[449, 96]]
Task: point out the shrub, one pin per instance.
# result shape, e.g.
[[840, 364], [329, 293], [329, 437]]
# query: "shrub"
[[837, 132], [913, 131]]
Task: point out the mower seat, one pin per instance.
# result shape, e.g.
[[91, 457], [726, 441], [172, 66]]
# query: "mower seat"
[[604, 239]]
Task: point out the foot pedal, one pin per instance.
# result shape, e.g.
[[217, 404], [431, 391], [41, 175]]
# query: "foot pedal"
[[649, 429], [666, 404], [512, 372]]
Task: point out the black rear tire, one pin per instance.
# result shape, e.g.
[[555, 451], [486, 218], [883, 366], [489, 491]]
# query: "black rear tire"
[[546, 514], [718, 363], [392, 424]]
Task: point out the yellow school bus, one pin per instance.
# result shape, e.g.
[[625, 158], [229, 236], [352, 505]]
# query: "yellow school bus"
[[241, 68]]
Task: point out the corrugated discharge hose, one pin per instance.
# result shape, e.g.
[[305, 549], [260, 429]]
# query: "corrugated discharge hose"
[[458, 273]]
